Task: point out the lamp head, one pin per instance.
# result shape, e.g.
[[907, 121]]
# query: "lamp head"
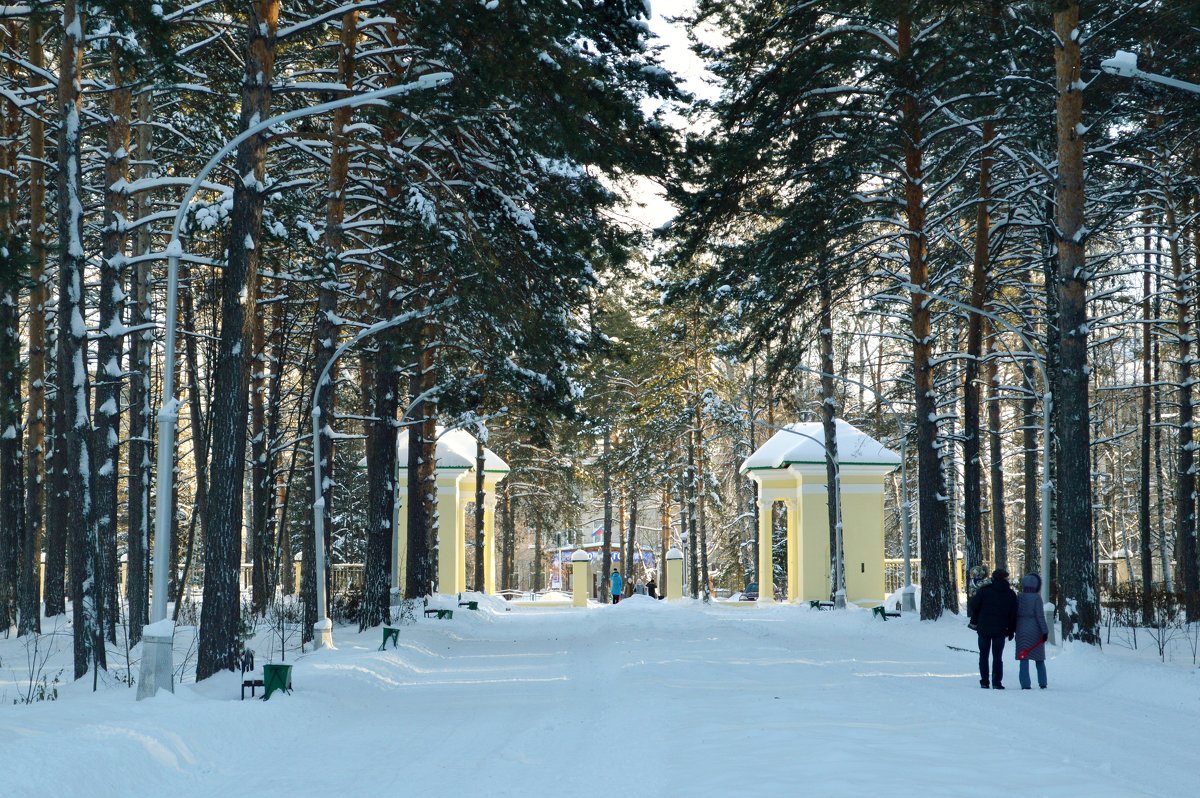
[[1124, 64]]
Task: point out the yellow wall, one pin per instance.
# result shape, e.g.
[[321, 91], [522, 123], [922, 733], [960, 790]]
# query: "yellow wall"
[[862, 538], [814, 577], [802, 488]]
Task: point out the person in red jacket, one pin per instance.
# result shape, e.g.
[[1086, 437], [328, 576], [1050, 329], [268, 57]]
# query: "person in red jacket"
[[993, 613]]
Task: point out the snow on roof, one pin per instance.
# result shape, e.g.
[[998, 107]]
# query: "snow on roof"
[[805, 443], [455, 449]]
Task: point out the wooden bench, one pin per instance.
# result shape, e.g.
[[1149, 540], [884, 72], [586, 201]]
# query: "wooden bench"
[[471, 605], [441, 615], [390, 633], [817, 604], [882, 612], [247, 666]]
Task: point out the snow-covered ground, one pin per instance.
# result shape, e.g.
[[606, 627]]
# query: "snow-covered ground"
[[644, 698]]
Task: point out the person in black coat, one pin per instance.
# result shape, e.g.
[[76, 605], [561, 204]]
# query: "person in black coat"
[[993, 613]]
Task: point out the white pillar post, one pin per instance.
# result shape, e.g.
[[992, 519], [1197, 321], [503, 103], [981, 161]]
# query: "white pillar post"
[[794, 552], [580, 578], [766, 564], [675, 574], [489, 542]]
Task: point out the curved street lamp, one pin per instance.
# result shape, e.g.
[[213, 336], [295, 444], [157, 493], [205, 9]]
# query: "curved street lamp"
[[1124, 64], [157, 668]]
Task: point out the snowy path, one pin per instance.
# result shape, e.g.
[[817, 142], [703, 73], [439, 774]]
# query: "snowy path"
[[661, 700]]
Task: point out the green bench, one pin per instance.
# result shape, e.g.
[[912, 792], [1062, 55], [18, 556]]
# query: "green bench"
[[390, 634], [441, 615], [471, 605], [882, 612], [817, 604]]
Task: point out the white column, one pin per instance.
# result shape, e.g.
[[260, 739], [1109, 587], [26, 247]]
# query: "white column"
[[675, 575], [400, 532], [580, 579], [489, 542], [465, 492], [794, 556], [766, 567]]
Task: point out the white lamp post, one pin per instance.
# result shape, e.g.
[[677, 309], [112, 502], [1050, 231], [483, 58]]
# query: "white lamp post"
[[157, 668], [323, 628], [1124, 64]]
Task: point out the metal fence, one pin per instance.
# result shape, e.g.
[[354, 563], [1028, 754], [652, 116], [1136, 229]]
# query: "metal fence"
[[893, 574]]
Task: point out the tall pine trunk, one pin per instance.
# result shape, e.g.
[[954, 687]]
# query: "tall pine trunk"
[[606, 547], [421, 574], [1147, 403], [937, 586], [833, 480], [72, 355], [996, 458], [141, 417], [1077, 568], [109, 374], [972, 425], [39, 300], [479, 509], [220, 618], [381, 486]]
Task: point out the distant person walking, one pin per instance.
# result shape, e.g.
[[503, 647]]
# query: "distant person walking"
[[652, 588], [618, 585], [1032, 632], [993, 613]]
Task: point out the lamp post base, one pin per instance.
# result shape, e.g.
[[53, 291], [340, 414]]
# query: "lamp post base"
[[158, 671], [839, 600], [908, 599], [323, 634], [1052, 630]]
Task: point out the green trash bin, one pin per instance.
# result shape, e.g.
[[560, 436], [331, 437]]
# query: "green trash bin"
[[276, 677]]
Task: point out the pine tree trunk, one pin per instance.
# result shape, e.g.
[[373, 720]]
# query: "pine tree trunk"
[[606, 547], [421, 577], [12, 251], [701, 496], [972, 426], [664, 541], [996, 462], [1029, 445], [1147, 403], [381, 487], [109, 375], [327, 332], [72, 355], [1077, 569], [39, 301], [631, 542], [57, 496], [1185, 481], [141, 416], [692, 478], [829, 428], [201, 426], [13, 542], [508, 561], [937, 592], [260, 463], [479, 511], [219, 622]]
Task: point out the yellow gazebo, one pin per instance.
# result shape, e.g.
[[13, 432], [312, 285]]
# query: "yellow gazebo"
[[456, 450], [790, 469]]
